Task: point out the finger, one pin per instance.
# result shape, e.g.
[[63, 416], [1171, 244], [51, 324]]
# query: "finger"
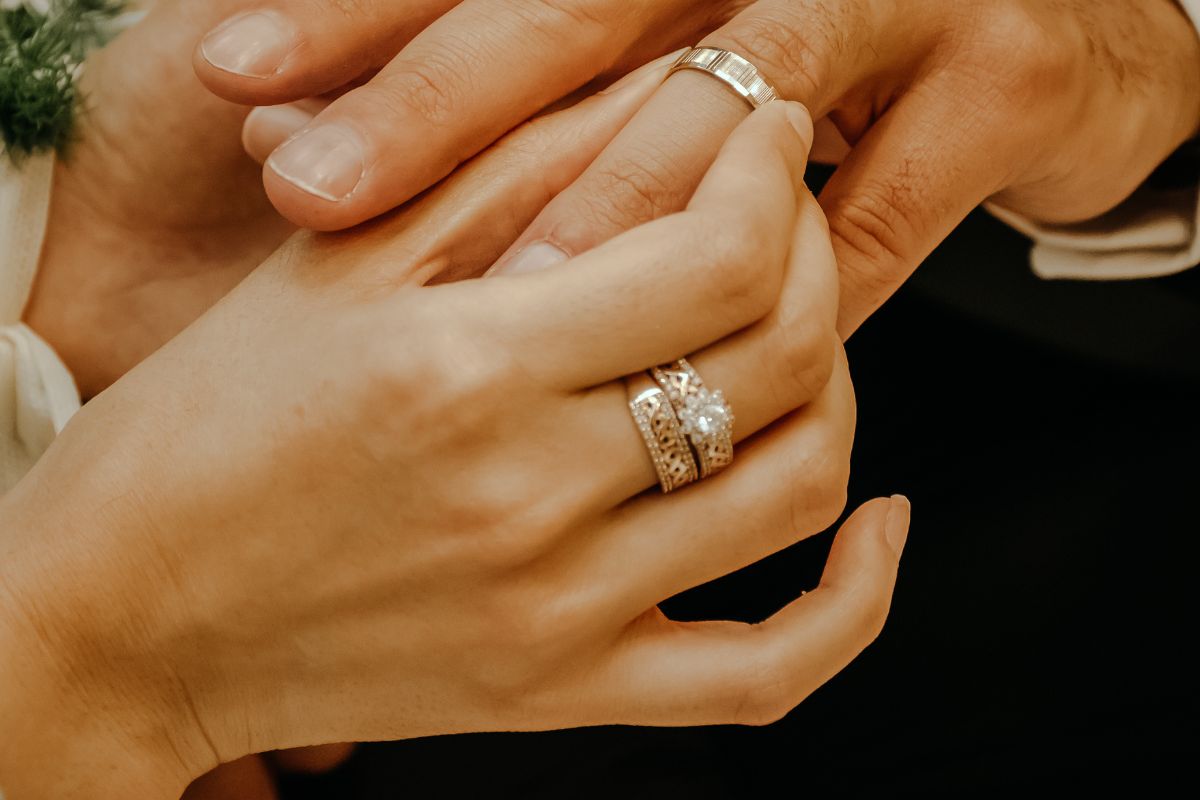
[[783, 361], [267, 127], [279, 51], [786, 483], [315, 759], [669, 673], [650, 170], [470, 76], [774, 366], [245, 779], [829, 145], [812, 52], [672, 286], [905, 186], [458, 228]]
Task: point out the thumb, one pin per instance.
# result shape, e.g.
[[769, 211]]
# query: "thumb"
[[901, 190]]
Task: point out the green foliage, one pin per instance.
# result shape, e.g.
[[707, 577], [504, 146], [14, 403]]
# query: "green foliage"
[[42, 45]]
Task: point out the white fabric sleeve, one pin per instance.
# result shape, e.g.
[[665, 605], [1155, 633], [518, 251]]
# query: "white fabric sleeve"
[[37, 392], [1153, 233]]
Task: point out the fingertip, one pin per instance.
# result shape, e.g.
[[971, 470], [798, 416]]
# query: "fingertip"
[[240, 57], [801, 121], [798, 145], [304, 208], [268, 127], [865, 541], [895, 527], [313, 760], [318, 178], [781, 127]]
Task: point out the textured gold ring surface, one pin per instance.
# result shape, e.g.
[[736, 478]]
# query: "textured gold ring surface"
[[661, 431], [730, 69]]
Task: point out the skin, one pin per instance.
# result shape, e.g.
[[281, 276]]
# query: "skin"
[[1054, 110], [157, 212], [157, 174], [321, 560]]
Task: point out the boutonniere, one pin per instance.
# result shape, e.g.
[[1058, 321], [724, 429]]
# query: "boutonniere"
[[42, 45]]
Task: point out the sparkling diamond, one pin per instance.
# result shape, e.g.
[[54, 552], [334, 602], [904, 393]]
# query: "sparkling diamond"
[[706, 414]]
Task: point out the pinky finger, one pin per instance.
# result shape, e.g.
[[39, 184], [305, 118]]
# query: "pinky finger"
[[715, 673]]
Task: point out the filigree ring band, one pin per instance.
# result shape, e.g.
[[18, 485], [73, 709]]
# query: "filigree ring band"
[[731, 69], [661, 431]]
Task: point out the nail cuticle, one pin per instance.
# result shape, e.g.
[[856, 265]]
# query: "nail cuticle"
[[327, 161], [252, 45]]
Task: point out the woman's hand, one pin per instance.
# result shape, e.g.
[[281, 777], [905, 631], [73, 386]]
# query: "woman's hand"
[[347, 505], [119, 280], [1056, 110]]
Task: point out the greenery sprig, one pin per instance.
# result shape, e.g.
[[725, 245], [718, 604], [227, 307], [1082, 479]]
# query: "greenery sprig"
[[42, 45]]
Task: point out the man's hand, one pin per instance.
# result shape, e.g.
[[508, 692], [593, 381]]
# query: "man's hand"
[[1056, 110]]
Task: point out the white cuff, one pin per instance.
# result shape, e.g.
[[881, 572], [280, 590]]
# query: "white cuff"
[[1152, 233], [37, 392]]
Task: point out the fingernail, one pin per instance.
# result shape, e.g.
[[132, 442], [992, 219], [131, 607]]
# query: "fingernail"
[[895, 528], [656, 70], [534, 258], [326, 161], [801, 120], [267, 127], [253, 45]]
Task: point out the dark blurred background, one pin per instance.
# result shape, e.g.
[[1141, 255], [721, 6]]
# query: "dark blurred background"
[[1044, 625]]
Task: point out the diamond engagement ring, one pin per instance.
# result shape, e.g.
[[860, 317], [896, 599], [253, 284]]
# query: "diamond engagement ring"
[[704, 415], [731, 69]]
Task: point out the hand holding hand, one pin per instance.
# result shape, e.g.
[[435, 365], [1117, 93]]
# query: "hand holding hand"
[[1056, 110], [431, 516]]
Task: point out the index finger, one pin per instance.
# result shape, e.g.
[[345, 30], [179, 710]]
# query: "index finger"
[[471, 76]]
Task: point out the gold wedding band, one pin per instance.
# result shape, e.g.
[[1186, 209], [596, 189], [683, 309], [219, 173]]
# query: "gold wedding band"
[[665, 440], [704, 415], [731, 69]]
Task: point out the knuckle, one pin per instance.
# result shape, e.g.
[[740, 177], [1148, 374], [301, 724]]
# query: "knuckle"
[[868, 616], [792, 62], [764, 694], [805, 350], [410, 392], [724, 260], [871, 224], [581, 15], [350, 9], [635, 188], [432, 89], [450, 376], [530, 631], [822, 487], [1018, 55], [493, 516]]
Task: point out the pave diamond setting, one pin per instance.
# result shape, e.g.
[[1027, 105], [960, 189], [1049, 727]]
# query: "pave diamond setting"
[[705, 413]]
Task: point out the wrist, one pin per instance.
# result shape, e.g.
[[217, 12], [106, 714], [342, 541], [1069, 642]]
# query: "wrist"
[[81, 715]]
